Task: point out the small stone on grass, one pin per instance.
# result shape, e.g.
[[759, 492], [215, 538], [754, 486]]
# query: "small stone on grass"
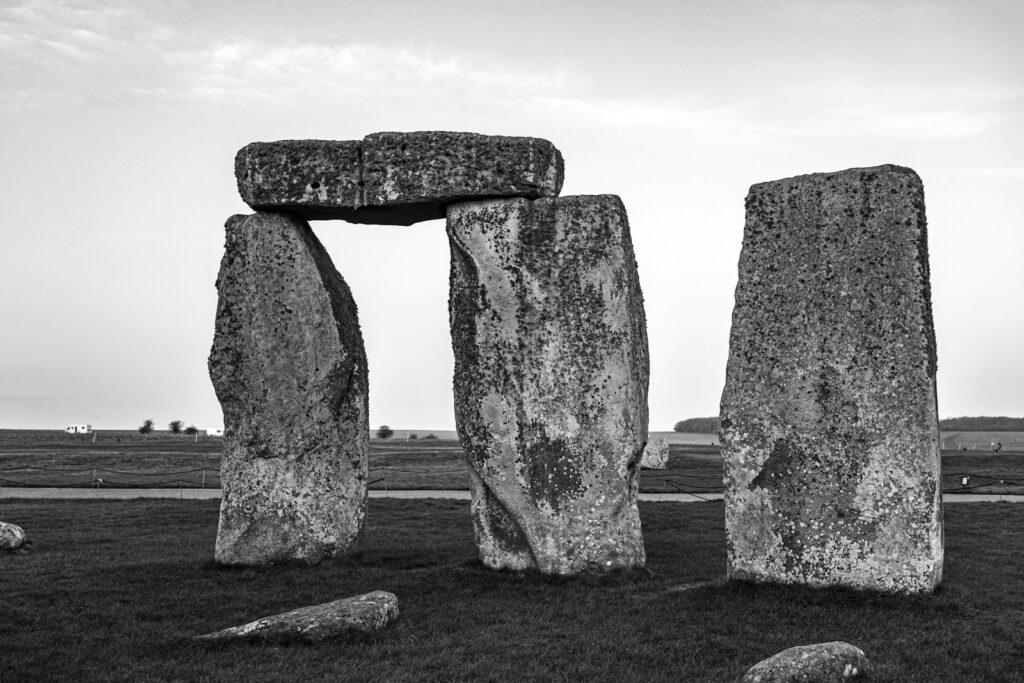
[[819, 663]]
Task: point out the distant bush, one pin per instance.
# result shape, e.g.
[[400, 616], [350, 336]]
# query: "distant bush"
[[982, 424], [413, 437], [175, 426], [147, 427], [698, 425], [385, 432], [431, 435], [191, 430]]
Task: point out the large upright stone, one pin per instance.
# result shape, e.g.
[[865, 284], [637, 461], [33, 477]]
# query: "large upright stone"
[[829, 422], [551, 372], [289, 369], [394, 178]]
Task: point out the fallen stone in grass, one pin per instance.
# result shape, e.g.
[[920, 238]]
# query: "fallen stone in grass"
[[12, 537], [829, 432], [366, 613], [820, 663], [394, 178], [289, 368], [655, 455], [551, 372]]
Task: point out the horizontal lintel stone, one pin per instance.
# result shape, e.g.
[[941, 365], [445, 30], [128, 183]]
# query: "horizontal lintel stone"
[[394, 178]]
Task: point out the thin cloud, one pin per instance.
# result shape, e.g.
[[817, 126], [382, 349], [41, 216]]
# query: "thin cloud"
[[1014, 173], [910, 112], [256, 72]]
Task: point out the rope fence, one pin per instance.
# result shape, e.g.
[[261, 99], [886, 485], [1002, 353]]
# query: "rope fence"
[[452, 476]]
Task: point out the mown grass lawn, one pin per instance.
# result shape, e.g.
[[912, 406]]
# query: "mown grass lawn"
[[114, 591]]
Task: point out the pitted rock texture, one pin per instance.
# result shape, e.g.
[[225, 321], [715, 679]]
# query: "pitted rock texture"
[[289, 368], [311, 178], [12, 537], [551, 372], [394, 178], [367, 613], [833, 662], [655, 455], [829, 423]]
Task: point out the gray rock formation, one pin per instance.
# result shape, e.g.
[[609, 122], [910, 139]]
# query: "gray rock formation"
[[655, 455], [289, 369], [551, 371], [829, 423], [367, 613], [394, 178], [12, 537], [833, 662]]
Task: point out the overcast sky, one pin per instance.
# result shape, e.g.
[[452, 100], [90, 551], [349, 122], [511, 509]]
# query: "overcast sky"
[[119, 122]]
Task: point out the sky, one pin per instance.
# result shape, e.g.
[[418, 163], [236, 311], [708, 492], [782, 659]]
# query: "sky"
[[119, 122]]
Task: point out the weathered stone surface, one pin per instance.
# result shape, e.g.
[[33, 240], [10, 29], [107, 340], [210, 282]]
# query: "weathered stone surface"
[[551, 372], [12, 536], [289, 368], [833, 662], [394, 178], [829, 423], [655, 455], [367, 613], [311, 178]]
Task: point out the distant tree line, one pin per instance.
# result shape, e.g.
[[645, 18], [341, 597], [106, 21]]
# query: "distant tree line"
[[982, 424], [698, 425], [176, 427]]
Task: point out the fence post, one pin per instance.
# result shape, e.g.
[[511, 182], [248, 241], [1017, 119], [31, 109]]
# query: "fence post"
[[204, 477]]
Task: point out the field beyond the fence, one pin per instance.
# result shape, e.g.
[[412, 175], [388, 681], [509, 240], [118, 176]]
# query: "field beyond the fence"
[[115, 591], [128, 459]]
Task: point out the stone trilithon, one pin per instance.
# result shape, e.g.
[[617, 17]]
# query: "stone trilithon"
[[829, 421], [289, 369], [551, 372]]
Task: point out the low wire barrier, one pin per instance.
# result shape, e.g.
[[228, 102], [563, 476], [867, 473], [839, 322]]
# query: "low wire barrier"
[[443, 476]]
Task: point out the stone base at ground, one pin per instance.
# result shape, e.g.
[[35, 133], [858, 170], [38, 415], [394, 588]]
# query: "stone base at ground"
[[551, 372], [394, 178], [289, 368], [12, 537], [833, 662], [367, 613], [655, 455], [829, 429]]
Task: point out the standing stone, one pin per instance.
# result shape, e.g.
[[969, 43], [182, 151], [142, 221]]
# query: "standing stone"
[[655, 455], [394, 178], [289, 369], [829, 423], [551, 372]]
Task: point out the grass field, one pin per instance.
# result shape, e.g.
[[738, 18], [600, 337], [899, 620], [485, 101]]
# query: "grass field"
[[114, 591], [128, 459]]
